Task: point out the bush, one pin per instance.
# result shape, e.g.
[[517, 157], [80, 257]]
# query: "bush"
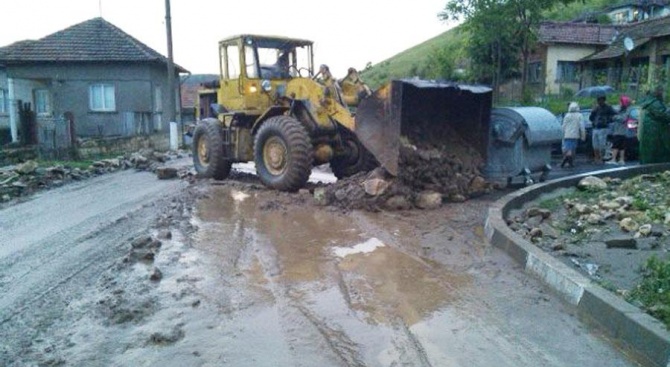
[[653, 293]]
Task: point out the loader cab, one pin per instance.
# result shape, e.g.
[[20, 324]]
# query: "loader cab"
[[254, 69]]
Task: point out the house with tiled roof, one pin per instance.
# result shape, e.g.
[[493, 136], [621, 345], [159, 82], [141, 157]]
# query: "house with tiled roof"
[[637, 10], [629, 57], [92, 76], [555, 65], [637, 57]]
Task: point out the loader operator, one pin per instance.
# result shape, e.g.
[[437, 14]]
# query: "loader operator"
[[279, 70], [353, 81]]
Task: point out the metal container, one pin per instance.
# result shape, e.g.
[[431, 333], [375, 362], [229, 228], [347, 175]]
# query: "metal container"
[[520, 140]]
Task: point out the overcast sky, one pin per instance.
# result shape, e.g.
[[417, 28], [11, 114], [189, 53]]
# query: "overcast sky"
[[346, 32]]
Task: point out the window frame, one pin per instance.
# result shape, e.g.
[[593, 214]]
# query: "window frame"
[[42, 100], [561, 66], [105, 88]]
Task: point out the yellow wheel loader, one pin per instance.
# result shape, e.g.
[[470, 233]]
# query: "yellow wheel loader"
[[271, 107]]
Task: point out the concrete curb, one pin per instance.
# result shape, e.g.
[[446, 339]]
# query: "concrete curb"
[[626, 324]]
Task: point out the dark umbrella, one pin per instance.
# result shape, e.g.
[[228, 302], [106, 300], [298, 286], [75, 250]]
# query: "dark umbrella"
[[596, 91]]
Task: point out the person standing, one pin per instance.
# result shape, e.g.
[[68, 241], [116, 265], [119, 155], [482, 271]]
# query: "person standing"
[[573, 131], [655, 129], [619, 130], [601, 117]]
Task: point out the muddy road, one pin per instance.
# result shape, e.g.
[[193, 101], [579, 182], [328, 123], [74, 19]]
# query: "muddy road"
[[242, 276]]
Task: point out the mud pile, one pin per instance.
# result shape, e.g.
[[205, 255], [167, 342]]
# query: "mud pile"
[[433, 168]]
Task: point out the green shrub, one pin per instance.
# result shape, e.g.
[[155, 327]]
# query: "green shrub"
[[653, 293]]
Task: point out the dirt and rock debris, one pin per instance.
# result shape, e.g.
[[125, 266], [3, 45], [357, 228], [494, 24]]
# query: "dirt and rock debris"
[[432, 169], [30, 177], [606, 228]]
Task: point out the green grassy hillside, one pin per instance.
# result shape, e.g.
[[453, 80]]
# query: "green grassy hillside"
[[415, 61], [418, 60]]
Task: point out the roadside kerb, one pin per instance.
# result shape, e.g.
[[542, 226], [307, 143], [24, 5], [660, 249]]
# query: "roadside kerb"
[[626, 324]]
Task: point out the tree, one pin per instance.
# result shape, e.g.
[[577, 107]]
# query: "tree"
[[501, 31]]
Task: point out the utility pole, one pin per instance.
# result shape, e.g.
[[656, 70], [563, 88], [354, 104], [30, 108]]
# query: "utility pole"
[[170, 112]]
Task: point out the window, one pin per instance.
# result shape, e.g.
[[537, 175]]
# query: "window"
[[250, 60], [158, 99], [4, 101], [233, 62], [101, 97], [42, 102], [535, 72], [567, 72]]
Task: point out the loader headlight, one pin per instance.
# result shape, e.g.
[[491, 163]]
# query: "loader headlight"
[[266, 85], [253, 89]]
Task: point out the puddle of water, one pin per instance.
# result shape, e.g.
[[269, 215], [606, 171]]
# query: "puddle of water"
[[307, 248], [389, 284], [362, 248]]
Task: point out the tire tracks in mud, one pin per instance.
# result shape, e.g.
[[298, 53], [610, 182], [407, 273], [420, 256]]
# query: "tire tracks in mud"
[[46, 273]]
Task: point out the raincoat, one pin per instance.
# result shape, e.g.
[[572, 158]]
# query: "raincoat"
[[655, 132]]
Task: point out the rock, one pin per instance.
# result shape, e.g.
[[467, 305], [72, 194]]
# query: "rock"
[[667, 218], [609, 204], [457, 198], [607, 215], [624, 200], [398, 202], [141, 242], [56, 171], [166, 173], [549, 231], [320, 197], [375, 186], [533, 221], [165, 234], [156, 275], [304, 192], [621, 242], [26, 168], [594, 219], [644, 230], [478, 186], [114, 162], [535, 233], [341, 194], [629, 225], [592, 183], [6, 197], [428, 200], [534, 212], [582, 208], [98, 164]]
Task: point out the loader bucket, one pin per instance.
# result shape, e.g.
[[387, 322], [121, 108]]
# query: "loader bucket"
[[422, 112]]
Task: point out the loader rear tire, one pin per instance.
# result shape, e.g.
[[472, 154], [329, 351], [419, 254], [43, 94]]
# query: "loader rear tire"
[[283, 154], [208, 154], [358, 160]]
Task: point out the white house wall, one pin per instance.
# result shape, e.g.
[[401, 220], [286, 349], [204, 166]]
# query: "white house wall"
[[556, 53]]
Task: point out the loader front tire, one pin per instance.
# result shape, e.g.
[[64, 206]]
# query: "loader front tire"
[[208, 154], [357, 160], [283, 154]]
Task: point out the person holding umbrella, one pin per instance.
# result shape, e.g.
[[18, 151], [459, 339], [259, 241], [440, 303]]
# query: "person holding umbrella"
[[601, 117], [655, 129]]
